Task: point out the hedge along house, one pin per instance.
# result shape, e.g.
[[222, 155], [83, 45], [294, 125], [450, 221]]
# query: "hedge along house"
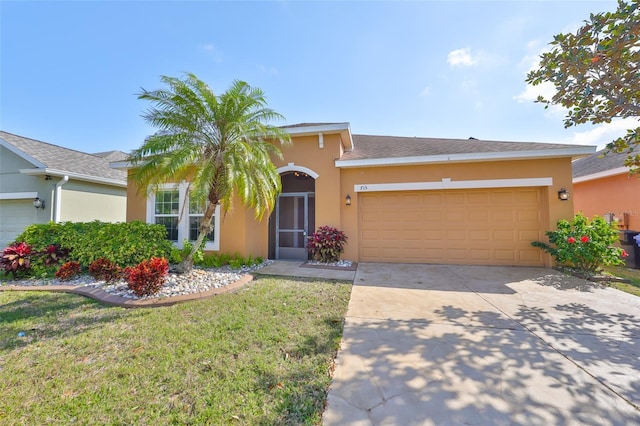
[[398, 199], [69, 186]]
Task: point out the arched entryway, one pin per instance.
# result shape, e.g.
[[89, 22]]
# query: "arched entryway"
[[294, 216]]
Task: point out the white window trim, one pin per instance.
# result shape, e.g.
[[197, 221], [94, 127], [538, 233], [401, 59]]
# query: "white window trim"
[[183, 220], [18, 195]]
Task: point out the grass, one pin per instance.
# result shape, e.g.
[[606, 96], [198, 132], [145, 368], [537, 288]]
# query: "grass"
[[631, 274], [261, 356]]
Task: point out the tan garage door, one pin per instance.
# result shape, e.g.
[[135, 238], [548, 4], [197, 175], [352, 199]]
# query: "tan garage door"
[[473, 227]]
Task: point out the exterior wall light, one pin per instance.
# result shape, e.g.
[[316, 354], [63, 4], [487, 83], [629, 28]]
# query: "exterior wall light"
[[563, 195], [347, 200], [38, 203]]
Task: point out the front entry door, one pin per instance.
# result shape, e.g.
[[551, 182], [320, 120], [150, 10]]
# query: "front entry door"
[[292, 224]]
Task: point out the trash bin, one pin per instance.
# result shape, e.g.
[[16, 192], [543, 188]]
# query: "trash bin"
[[630, 242]]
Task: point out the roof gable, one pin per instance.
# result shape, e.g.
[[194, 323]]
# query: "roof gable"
[[56, 160]]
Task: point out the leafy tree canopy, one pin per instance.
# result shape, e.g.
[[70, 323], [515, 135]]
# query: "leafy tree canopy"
[[596, 74]]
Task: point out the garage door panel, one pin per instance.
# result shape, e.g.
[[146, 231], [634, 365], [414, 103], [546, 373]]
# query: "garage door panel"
[[480, 254], [456, 234], [451, 199], [504, 235], [528, 236], [479, 198], [484, 226], [455, 215], [505, 255], [479, 235], [527, 197], [531, 255]]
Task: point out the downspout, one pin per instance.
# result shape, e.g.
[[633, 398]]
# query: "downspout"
[[58, 196]]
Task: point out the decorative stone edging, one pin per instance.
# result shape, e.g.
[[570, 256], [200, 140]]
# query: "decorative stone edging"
[[352, 267], [114, 300]]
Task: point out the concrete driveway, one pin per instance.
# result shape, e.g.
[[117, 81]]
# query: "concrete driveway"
[[449, 345]]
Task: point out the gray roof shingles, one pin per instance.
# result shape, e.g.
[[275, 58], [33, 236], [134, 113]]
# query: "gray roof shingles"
[[375, 147], [598, 162], [67, 160]]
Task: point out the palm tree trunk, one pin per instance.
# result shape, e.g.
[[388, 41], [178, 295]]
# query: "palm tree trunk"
[[205, 227]]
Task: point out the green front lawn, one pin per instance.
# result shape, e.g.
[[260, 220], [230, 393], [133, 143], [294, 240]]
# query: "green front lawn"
[[262, 355], [631, 274]]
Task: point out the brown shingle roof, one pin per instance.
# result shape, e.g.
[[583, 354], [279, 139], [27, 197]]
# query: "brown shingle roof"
[[376, 147], [65, 160], [596, 163]]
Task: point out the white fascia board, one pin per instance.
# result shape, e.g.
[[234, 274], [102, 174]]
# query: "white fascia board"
[[77, 176], [21, 154], [121, 165], [18, 195], [447, 183], [321, 128], [606, 173], [468, 157]]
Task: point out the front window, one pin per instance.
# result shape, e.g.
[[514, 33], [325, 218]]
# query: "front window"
[[165, 207], [196, 213]]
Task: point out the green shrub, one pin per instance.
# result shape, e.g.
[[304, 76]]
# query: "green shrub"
[[236, 262], [211, 261], [584, 245], [124, 244], [148, 276], [326, 244]]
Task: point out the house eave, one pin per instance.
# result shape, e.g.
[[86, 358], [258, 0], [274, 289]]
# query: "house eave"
[[344, 129], [576, 152], [603, 174], [76, 176]]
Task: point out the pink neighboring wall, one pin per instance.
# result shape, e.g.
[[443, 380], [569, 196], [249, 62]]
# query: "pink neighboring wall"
[[613, 194]]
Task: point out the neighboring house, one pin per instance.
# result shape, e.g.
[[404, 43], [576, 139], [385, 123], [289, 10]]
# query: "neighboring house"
[[74, 186], [398, 199], [603, 186]]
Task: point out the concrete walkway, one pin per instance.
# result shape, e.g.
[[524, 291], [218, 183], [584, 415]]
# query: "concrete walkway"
[[286, 268], [449, 345]]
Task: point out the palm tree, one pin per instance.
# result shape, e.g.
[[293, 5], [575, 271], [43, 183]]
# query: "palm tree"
[[222, 145]]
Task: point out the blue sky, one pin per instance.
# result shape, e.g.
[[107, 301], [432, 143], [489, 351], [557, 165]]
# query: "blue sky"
[[70, 70]]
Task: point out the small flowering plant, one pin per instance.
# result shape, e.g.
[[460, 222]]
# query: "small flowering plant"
[[584, 245]]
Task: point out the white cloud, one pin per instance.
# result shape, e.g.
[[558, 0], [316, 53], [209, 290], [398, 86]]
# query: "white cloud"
[[425, 91], [269, 70], [546, 89], [461, 58], [212, 50], [604, 133], [531, 93]]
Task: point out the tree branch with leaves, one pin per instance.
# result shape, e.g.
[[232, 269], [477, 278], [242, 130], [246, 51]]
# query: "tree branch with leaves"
[[596, 74]]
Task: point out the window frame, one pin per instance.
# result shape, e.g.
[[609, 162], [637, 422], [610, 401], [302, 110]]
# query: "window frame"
[[183, 216]]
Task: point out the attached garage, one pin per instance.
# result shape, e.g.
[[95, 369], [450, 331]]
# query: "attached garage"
[[475, 226], [15, 216]]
